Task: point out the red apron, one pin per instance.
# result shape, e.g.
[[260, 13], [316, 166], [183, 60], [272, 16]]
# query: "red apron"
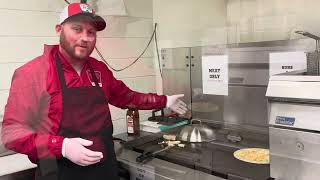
[[85, 114]]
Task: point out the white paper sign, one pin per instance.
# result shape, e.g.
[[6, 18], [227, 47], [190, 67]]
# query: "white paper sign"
[[215, 75], [142, 173], [282, 62]]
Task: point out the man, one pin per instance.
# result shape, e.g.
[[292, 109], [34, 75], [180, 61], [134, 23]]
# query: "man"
[[57, 111]]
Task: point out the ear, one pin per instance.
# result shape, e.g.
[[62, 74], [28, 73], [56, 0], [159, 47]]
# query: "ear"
[[58, 29]]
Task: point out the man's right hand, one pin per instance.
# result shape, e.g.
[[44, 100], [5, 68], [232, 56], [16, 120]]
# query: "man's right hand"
[[74, 149]]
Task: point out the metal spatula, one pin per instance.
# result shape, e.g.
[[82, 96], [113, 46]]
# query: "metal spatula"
[[148, 155]]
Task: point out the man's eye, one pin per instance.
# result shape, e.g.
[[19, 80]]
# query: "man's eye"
[[76, 29], [92, 32]]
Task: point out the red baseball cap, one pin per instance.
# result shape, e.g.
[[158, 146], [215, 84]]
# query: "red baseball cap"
[[75, 9]]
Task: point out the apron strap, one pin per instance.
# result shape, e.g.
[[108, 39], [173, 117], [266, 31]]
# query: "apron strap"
[[60, 73], [63, 80]]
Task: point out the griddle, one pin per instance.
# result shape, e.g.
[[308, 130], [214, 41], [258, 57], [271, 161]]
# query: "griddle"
[[214, 157]]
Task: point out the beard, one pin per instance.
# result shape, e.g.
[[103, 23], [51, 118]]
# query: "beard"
[[71, 49]]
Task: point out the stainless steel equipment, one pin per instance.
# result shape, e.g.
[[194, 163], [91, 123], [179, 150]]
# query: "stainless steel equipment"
[[214, 158], [197, 132], [239, 119], [245, 106], [294, 126], [313, 58]]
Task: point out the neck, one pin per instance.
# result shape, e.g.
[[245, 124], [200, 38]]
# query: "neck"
[[73, 61]]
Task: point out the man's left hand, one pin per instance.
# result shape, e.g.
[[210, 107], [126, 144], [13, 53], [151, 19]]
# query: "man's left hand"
[[175, 104]]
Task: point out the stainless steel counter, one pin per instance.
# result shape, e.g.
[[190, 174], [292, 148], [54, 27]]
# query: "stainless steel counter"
[[157, 169], [214, 158]]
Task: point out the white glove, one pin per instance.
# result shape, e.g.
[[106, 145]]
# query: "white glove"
[[175, 104], [74, 150]]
